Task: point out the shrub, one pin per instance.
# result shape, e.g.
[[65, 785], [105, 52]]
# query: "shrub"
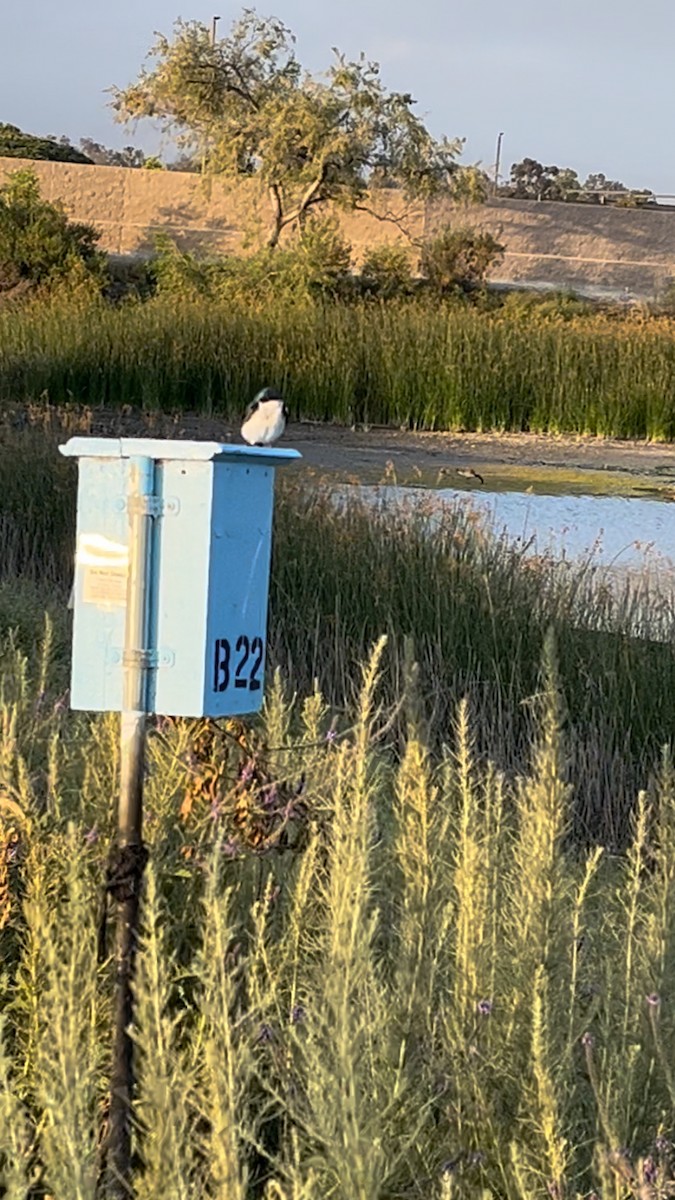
[[386, 271], [37, 241], [459, 257], [317, 262]]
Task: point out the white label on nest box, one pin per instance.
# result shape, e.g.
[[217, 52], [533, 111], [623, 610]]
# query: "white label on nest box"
[[105, 566]]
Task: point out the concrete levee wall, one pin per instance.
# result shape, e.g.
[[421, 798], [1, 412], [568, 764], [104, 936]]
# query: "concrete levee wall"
[[591, 248]]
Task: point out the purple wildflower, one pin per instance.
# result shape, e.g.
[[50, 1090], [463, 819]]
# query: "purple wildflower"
[[270, 795], [265, 1034], [331, 736], [246, 773], [653, 999], [484, 1008], [91, 836], [298, 1014], [649, 1170], [662, 1145]]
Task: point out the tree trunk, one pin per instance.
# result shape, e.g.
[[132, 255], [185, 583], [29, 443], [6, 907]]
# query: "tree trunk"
[[278, 217]]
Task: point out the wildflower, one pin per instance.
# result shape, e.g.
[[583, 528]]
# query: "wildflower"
[[61, 704], [265, 1034], [653, 999], [587, 1041], [449, 1166], [649, 1170], [662, 1145], [246, 773], [270, 795], [484, 1008], [91, 836], [298, 1014], [331, 736], [230, 848]]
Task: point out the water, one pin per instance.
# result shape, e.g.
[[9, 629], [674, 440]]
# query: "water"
[[626, 541], [616, 531]]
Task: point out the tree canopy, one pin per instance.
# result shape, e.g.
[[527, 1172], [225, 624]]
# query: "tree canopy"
[[14, 143], [531, 180], [247, 105]]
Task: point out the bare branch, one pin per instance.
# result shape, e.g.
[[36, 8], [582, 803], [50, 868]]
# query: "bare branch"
[[390, 218]]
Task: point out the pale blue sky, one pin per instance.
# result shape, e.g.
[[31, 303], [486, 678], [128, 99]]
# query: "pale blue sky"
[[582, 83]]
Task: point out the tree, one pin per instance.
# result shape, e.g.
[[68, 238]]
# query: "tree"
[[530, 180], [37, 241], [129, 156], [16, 144], [247, 106], [600, 183]]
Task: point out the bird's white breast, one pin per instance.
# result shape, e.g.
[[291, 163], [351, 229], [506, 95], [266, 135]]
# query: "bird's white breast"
[[265, 425]]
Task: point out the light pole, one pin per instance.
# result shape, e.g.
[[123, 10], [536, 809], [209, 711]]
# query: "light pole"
[[497, 161], [214, 22]]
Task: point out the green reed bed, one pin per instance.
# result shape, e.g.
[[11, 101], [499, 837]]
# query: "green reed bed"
[[367, 972], [472, 610], [419, 364]]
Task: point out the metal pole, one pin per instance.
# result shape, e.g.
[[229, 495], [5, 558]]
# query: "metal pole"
[[214, 22], [498, 161], [128, 861]]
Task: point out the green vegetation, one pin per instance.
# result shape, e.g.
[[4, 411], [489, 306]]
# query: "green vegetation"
[[14, 143], [417, 364], [477, 610], [38, 244], [381, 956], [458, 257], [363, 974], [435, 352]]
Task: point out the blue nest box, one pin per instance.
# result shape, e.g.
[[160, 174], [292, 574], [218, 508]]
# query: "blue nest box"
[[207, 573]]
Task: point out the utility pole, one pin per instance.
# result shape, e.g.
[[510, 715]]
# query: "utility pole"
[[498, 161], [214, 22]]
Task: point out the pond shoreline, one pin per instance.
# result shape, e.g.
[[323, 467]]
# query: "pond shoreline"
[[505, 461], [556, 464]]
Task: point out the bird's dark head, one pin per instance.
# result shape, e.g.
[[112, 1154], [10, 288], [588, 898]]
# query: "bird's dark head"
[[268, 393]]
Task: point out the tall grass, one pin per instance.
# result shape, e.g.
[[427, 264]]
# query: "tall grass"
[[476, 610], [418, 364], [363, 974]]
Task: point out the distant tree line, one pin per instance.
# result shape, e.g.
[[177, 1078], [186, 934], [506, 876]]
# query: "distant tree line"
[[14, 143], [531, 180]]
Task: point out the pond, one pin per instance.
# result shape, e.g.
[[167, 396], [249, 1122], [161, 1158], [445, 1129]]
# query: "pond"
[[627, 541]]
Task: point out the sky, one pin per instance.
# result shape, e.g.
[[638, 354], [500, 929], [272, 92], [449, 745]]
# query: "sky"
[[588, 84]]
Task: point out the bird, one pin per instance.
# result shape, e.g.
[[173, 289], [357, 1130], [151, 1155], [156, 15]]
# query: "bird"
[[265, 419], [469, 473]]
